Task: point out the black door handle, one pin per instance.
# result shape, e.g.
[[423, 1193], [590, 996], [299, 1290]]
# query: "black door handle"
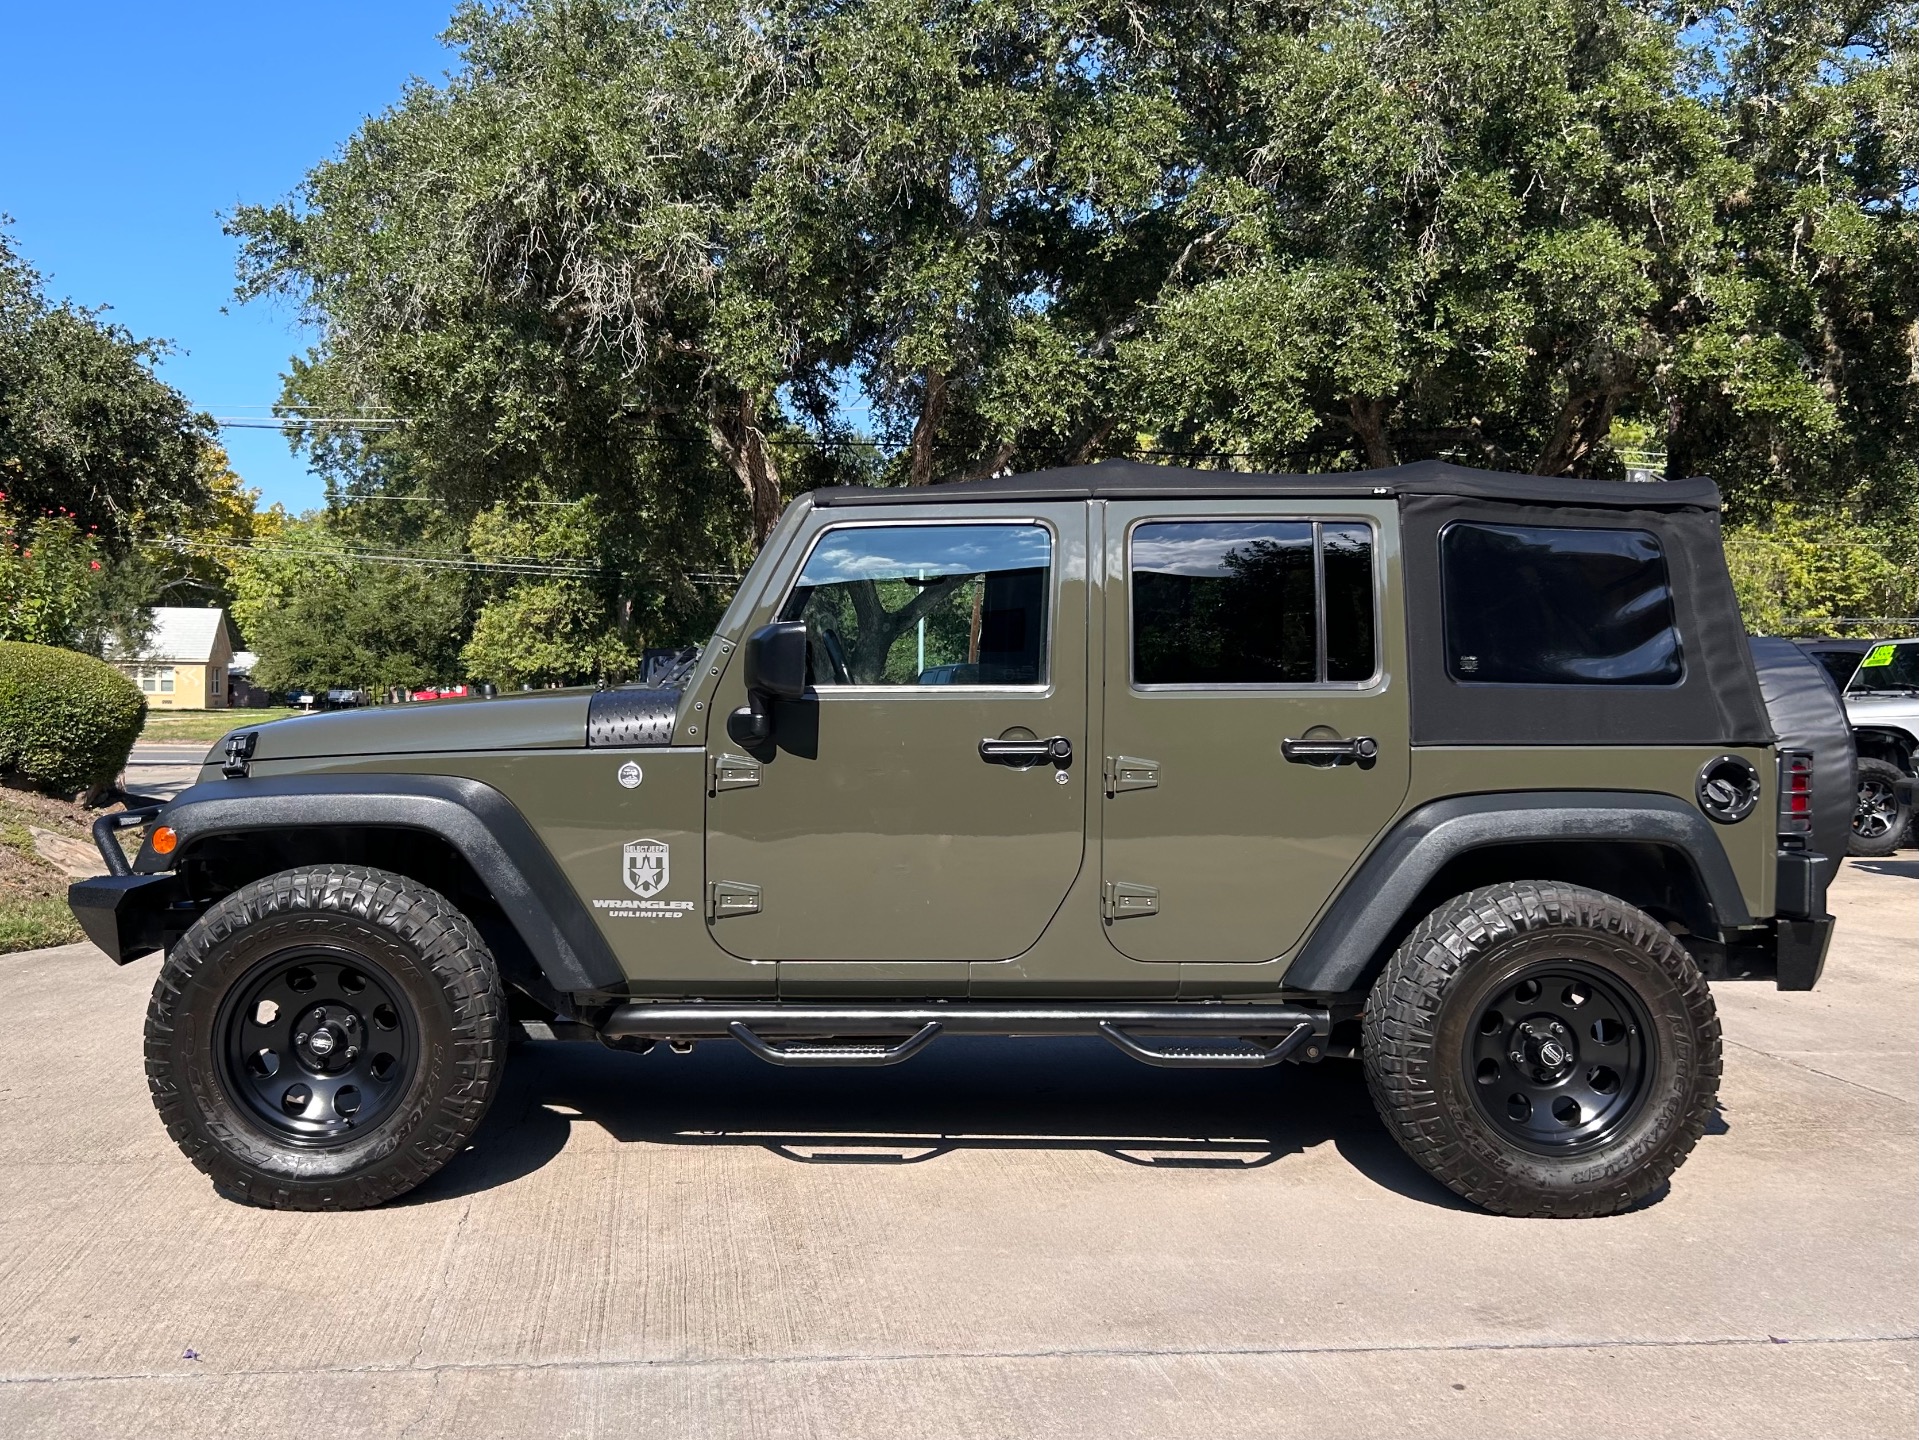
[[1026, 752], [1359, 749]]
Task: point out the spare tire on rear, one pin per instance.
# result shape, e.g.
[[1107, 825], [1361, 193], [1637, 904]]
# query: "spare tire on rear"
[[1807, 714]]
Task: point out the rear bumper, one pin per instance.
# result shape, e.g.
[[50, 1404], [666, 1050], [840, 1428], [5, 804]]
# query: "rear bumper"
[[1800, 949], [130, 915]]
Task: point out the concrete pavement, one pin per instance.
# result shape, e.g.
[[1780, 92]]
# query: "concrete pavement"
[[163, 770], [996, 1239]]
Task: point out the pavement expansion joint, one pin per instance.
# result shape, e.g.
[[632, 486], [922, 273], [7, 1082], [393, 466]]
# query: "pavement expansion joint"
[[1822, 1074], [920, 1357]]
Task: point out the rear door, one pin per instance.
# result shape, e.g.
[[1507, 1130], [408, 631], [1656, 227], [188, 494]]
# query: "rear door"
[[874, 827], [1245, 649]]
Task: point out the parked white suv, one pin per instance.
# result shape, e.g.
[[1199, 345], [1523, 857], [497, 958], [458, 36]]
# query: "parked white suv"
[[1882, 702]]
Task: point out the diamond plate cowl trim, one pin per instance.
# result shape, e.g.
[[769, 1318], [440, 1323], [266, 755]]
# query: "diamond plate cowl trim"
[[631, 716]]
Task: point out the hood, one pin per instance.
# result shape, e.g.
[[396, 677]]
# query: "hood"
[[1889, 709], [529, 720]]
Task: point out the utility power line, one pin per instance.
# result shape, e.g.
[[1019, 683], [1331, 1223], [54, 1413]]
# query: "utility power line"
[[563, 568], [339, 422]]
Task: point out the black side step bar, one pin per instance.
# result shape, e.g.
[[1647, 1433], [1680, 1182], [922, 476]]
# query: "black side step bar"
[[1253, 1057], [831, 1054], [1267, 1034]]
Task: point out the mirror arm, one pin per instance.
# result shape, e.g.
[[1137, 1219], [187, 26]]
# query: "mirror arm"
[[752, 723]]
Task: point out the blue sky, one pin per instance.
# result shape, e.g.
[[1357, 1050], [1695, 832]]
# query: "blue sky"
[[127, 130]]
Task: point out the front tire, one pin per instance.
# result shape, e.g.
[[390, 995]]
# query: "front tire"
[[1879, 822], [1543, 1050], [326, 1038]]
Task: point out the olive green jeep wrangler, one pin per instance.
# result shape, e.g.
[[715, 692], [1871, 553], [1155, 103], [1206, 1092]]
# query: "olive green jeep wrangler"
[[1472, 777]]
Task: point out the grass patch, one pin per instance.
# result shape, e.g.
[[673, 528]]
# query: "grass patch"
[[207, 725], [33, 890], [27, 923]]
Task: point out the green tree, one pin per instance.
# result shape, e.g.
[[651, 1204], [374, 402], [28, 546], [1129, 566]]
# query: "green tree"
[[659, 254], [1495, 228], [323, 610], [85, 425], [1800, 573], [554, 622]]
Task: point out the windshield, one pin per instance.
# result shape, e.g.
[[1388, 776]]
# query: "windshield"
[[1887, 667]]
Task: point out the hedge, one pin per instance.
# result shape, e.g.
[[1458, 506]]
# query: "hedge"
[[67, 721]]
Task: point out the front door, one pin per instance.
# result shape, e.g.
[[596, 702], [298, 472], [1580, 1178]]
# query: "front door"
[[876, 826], [1257, 723]]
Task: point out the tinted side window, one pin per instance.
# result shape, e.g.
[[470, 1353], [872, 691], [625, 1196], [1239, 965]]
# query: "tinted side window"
[[1347, 552], [1528, 605], [1267, 602], [926, 605]]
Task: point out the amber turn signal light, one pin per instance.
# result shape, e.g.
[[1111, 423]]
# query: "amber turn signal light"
[[164, 839]]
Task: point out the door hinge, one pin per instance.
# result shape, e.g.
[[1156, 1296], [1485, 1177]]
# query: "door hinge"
[[1129, 772], [1124, 900], [730, 897], [731, 772]]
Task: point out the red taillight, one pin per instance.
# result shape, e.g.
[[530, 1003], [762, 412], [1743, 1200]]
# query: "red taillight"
[[1795, 792]]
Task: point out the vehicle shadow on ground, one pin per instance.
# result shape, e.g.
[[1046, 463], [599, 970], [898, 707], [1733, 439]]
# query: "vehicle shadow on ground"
[[963, 1094], [1903, 869]]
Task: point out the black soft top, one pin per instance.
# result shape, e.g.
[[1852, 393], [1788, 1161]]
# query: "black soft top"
[[1718, 702], [1136, 480]]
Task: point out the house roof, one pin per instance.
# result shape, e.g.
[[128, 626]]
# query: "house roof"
[[1132, 479], [182, 635]]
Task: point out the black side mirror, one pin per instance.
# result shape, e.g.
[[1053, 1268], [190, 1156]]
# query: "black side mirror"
[[775, 660]]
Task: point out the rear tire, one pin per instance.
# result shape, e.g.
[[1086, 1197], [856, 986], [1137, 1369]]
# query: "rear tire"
[[325, 1038], [1880, 821], [1543, 1050]]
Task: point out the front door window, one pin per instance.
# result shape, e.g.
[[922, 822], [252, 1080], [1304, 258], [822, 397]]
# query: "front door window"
[[926, 605]]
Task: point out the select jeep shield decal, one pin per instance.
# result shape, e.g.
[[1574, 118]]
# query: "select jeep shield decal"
[[646, 868]]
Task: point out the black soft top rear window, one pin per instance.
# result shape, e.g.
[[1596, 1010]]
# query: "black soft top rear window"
[[1548, 605]]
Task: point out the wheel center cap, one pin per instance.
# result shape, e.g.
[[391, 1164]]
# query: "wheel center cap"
[[1545, 1047], [327, 1038]]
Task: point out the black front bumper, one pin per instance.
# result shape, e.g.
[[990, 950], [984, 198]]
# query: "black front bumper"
[[130, 915]]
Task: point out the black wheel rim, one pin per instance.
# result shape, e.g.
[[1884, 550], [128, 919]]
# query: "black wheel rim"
[[1557, 1057], [317, 1046], [1878, 808]]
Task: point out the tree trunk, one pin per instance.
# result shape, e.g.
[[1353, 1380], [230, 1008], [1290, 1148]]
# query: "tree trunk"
[[1367, 416], [926, 429], [736, 434], [1583, 423], [1095, 440]]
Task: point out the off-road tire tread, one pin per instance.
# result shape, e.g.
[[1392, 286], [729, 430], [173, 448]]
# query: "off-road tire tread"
[[1398, 1049], [1890, 842], [418, 918]]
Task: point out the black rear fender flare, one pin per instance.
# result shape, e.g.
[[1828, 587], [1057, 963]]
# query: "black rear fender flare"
[[1380, 898], [476, 820]]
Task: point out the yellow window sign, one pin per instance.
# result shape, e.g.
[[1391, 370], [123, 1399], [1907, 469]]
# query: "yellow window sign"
[[1878, 655]]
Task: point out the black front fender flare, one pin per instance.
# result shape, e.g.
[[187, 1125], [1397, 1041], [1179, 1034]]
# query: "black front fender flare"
[[1381, 893], [475, 819]]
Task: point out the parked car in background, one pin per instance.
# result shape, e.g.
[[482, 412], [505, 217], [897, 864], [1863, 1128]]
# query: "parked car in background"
[[1839, 657], [1882, 704]]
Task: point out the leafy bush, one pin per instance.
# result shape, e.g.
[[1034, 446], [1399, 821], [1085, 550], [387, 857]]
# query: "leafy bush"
[[60, 586], [67, 721], [1799, 572]]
